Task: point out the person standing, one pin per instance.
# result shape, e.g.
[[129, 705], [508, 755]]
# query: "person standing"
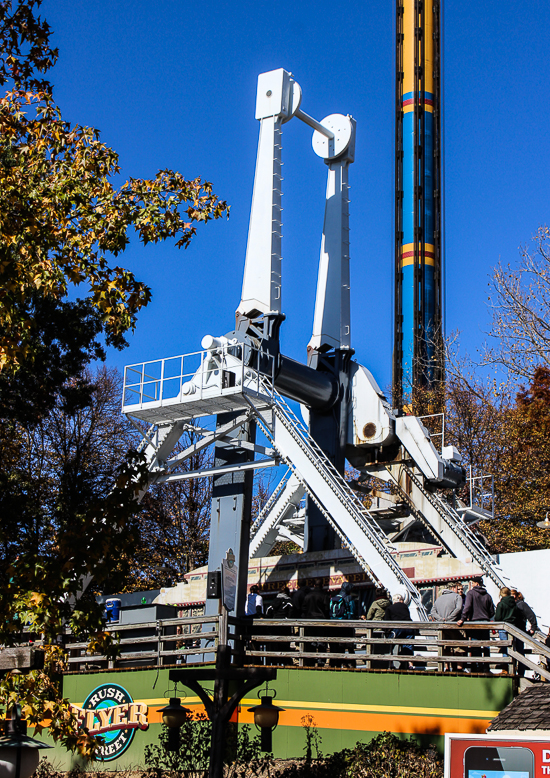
[[507, 612], [254, 602], [343, 608], [315, 606], [525, 614], [253, 608], [478, 606], [399, 611], [281, 608], [448, 608], [376, 612], [298, 598], [378, 608]]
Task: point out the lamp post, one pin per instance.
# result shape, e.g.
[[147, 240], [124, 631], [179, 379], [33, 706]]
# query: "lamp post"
[[174, 715], [18, 752], [266, 718]]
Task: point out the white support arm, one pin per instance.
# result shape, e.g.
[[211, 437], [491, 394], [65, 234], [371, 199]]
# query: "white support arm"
[[277, 98], [332, 324]]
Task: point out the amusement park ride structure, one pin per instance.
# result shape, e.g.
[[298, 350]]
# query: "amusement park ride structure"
[[242, 378]]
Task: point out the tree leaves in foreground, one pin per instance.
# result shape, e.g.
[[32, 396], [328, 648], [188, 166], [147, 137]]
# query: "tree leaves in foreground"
[[62, 220], [68, 492]]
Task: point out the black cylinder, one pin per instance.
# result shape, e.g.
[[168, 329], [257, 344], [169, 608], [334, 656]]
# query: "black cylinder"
[[266, 739], [301, 383]]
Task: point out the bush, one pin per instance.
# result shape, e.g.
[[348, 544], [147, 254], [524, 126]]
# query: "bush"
[[385, 756]]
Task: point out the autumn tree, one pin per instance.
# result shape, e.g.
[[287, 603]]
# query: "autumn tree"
[[520, 302], [67, 501], [64, 224], [173, 524], [62, 218], [503, 433]]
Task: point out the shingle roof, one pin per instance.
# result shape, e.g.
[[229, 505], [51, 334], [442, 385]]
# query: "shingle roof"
[[529, 710]]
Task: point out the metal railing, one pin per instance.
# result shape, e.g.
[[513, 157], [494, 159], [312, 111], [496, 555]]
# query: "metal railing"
[[195, 375], [356, 511]]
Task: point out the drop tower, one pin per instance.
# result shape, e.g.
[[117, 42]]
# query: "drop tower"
[[418, 360]]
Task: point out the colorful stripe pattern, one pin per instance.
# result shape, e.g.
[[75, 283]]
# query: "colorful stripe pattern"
[[417, 254], [344, 706]]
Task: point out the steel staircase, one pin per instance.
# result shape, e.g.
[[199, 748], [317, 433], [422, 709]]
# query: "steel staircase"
[[357, 529], [440, 517]]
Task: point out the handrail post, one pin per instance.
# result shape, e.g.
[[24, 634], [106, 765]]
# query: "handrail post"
[[368, 647], [159, 642], [440, 650], [301, 644]]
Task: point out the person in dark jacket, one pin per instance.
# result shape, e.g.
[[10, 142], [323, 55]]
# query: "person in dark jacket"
[[525, 614], [281, 608], [315, 606], [398, 611], [343, 602], [507, 612], [478, 606], [298, 598]]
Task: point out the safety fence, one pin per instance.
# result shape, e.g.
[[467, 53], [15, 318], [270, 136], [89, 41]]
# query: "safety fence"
[[486, 647]]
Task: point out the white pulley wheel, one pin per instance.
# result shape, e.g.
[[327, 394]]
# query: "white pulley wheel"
[[327, 148]]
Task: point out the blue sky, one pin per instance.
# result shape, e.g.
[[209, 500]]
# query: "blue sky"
[[172, 85]]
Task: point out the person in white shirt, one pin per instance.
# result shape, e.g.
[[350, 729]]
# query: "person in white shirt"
[[254, 602]]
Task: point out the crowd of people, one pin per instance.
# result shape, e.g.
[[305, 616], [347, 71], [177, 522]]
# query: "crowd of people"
[[452, 606]]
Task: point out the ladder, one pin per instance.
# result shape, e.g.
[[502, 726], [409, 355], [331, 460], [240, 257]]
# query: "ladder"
[[356, 527]]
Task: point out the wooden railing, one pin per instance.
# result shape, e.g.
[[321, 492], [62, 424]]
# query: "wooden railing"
[[154, 643], [371, 644], [367, 645]]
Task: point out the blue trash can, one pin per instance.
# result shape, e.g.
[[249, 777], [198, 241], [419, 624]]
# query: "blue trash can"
[[112, 608]]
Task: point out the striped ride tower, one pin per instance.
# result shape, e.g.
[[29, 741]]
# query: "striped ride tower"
[[418, 359]]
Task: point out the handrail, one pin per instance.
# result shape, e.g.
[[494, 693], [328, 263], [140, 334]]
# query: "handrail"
[[251, 641]]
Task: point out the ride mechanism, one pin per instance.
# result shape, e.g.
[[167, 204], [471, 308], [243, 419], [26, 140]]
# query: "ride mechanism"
[[242, 379]]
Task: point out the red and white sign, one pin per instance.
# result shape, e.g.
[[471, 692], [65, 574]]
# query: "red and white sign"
[[496, 756]]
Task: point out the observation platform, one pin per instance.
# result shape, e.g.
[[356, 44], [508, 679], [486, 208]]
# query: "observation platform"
[[189, 386]]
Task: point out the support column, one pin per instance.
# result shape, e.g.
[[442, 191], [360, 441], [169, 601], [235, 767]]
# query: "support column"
[[231, 510]]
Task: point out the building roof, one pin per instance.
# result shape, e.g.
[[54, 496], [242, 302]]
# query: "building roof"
[[530, 710]]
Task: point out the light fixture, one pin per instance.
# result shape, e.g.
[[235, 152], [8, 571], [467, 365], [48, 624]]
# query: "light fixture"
[[544, 524], [19, 754], [266, 718], [174, 715]]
